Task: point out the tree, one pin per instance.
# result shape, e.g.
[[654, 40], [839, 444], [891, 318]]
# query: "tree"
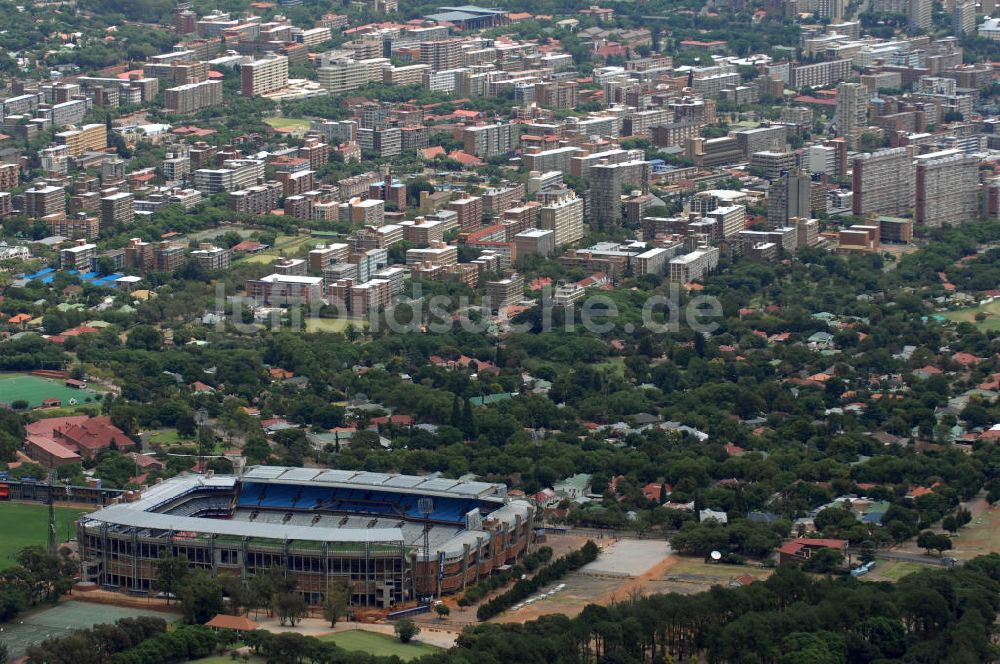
[[406, 629], [336, 604], [931, 541], [867, 551], [950, 523], [825, 561], [170, 574], [442, 610], [289, 607], [200, 596]]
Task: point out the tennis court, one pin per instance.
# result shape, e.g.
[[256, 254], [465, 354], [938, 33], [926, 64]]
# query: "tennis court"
[[62, 619], [35, 390]]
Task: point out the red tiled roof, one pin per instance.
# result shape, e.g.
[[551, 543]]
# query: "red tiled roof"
[[238, 623]]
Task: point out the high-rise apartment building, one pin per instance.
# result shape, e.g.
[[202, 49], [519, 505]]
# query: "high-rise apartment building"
[[504, 293], [919, 14], [265, 75], [193, 96], [441, 55], [945, 184], [562, 213], [882, 182], [609, 181], [852, 111], [789, 196], [43, 200], [963, 17], [117, 209], [470, 212], [493, 140]]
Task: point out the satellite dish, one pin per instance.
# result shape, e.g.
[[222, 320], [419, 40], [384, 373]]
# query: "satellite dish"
[[716, 555]]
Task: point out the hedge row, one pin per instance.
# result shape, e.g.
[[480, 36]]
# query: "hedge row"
[[524, 588]]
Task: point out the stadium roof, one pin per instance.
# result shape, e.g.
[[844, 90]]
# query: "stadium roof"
[[430, 485], [128, 515]]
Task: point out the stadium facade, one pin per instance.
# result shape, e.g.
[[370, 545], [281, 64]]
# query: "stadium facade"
[[324, 526]]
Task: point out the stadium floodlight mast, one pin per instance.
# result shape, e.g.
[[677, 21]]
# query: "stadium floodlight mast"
[[425, 506]]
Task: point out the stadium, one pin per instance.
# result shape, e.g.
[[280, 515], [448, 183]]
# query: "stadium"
[[392, 538]]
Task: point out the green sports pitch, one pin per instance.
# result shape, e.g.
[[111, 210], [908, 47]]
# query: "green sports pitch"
[[34, 390], [24, 524]]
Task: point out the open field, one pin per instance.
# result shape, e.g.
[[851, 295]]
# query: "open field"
[[981, 536], [60, 620], [968, 315], [296, 125], [625, 566], [34, 390], [380, 645], [24, 524]]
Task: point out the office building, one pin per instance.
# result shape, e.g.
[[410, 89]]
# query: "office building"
[[883, 183], [946, 185], [534, 241], [770, 164]]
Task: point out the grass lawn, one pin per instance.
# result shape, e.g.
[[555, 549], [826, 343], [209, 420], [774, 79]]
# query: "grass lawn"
[[333, 324], [614, 366], [166, 437], [968, 315], [34, 390], [380, 645], [284, 245], [24, 524], [895, 570], [721, 573], [291, 124]]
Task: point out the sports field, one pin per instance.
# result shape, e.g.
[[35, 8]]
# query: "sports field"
[[34, 390], [62, 619], [380, 645], [991, 309], [23, 524], [295, 125]]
